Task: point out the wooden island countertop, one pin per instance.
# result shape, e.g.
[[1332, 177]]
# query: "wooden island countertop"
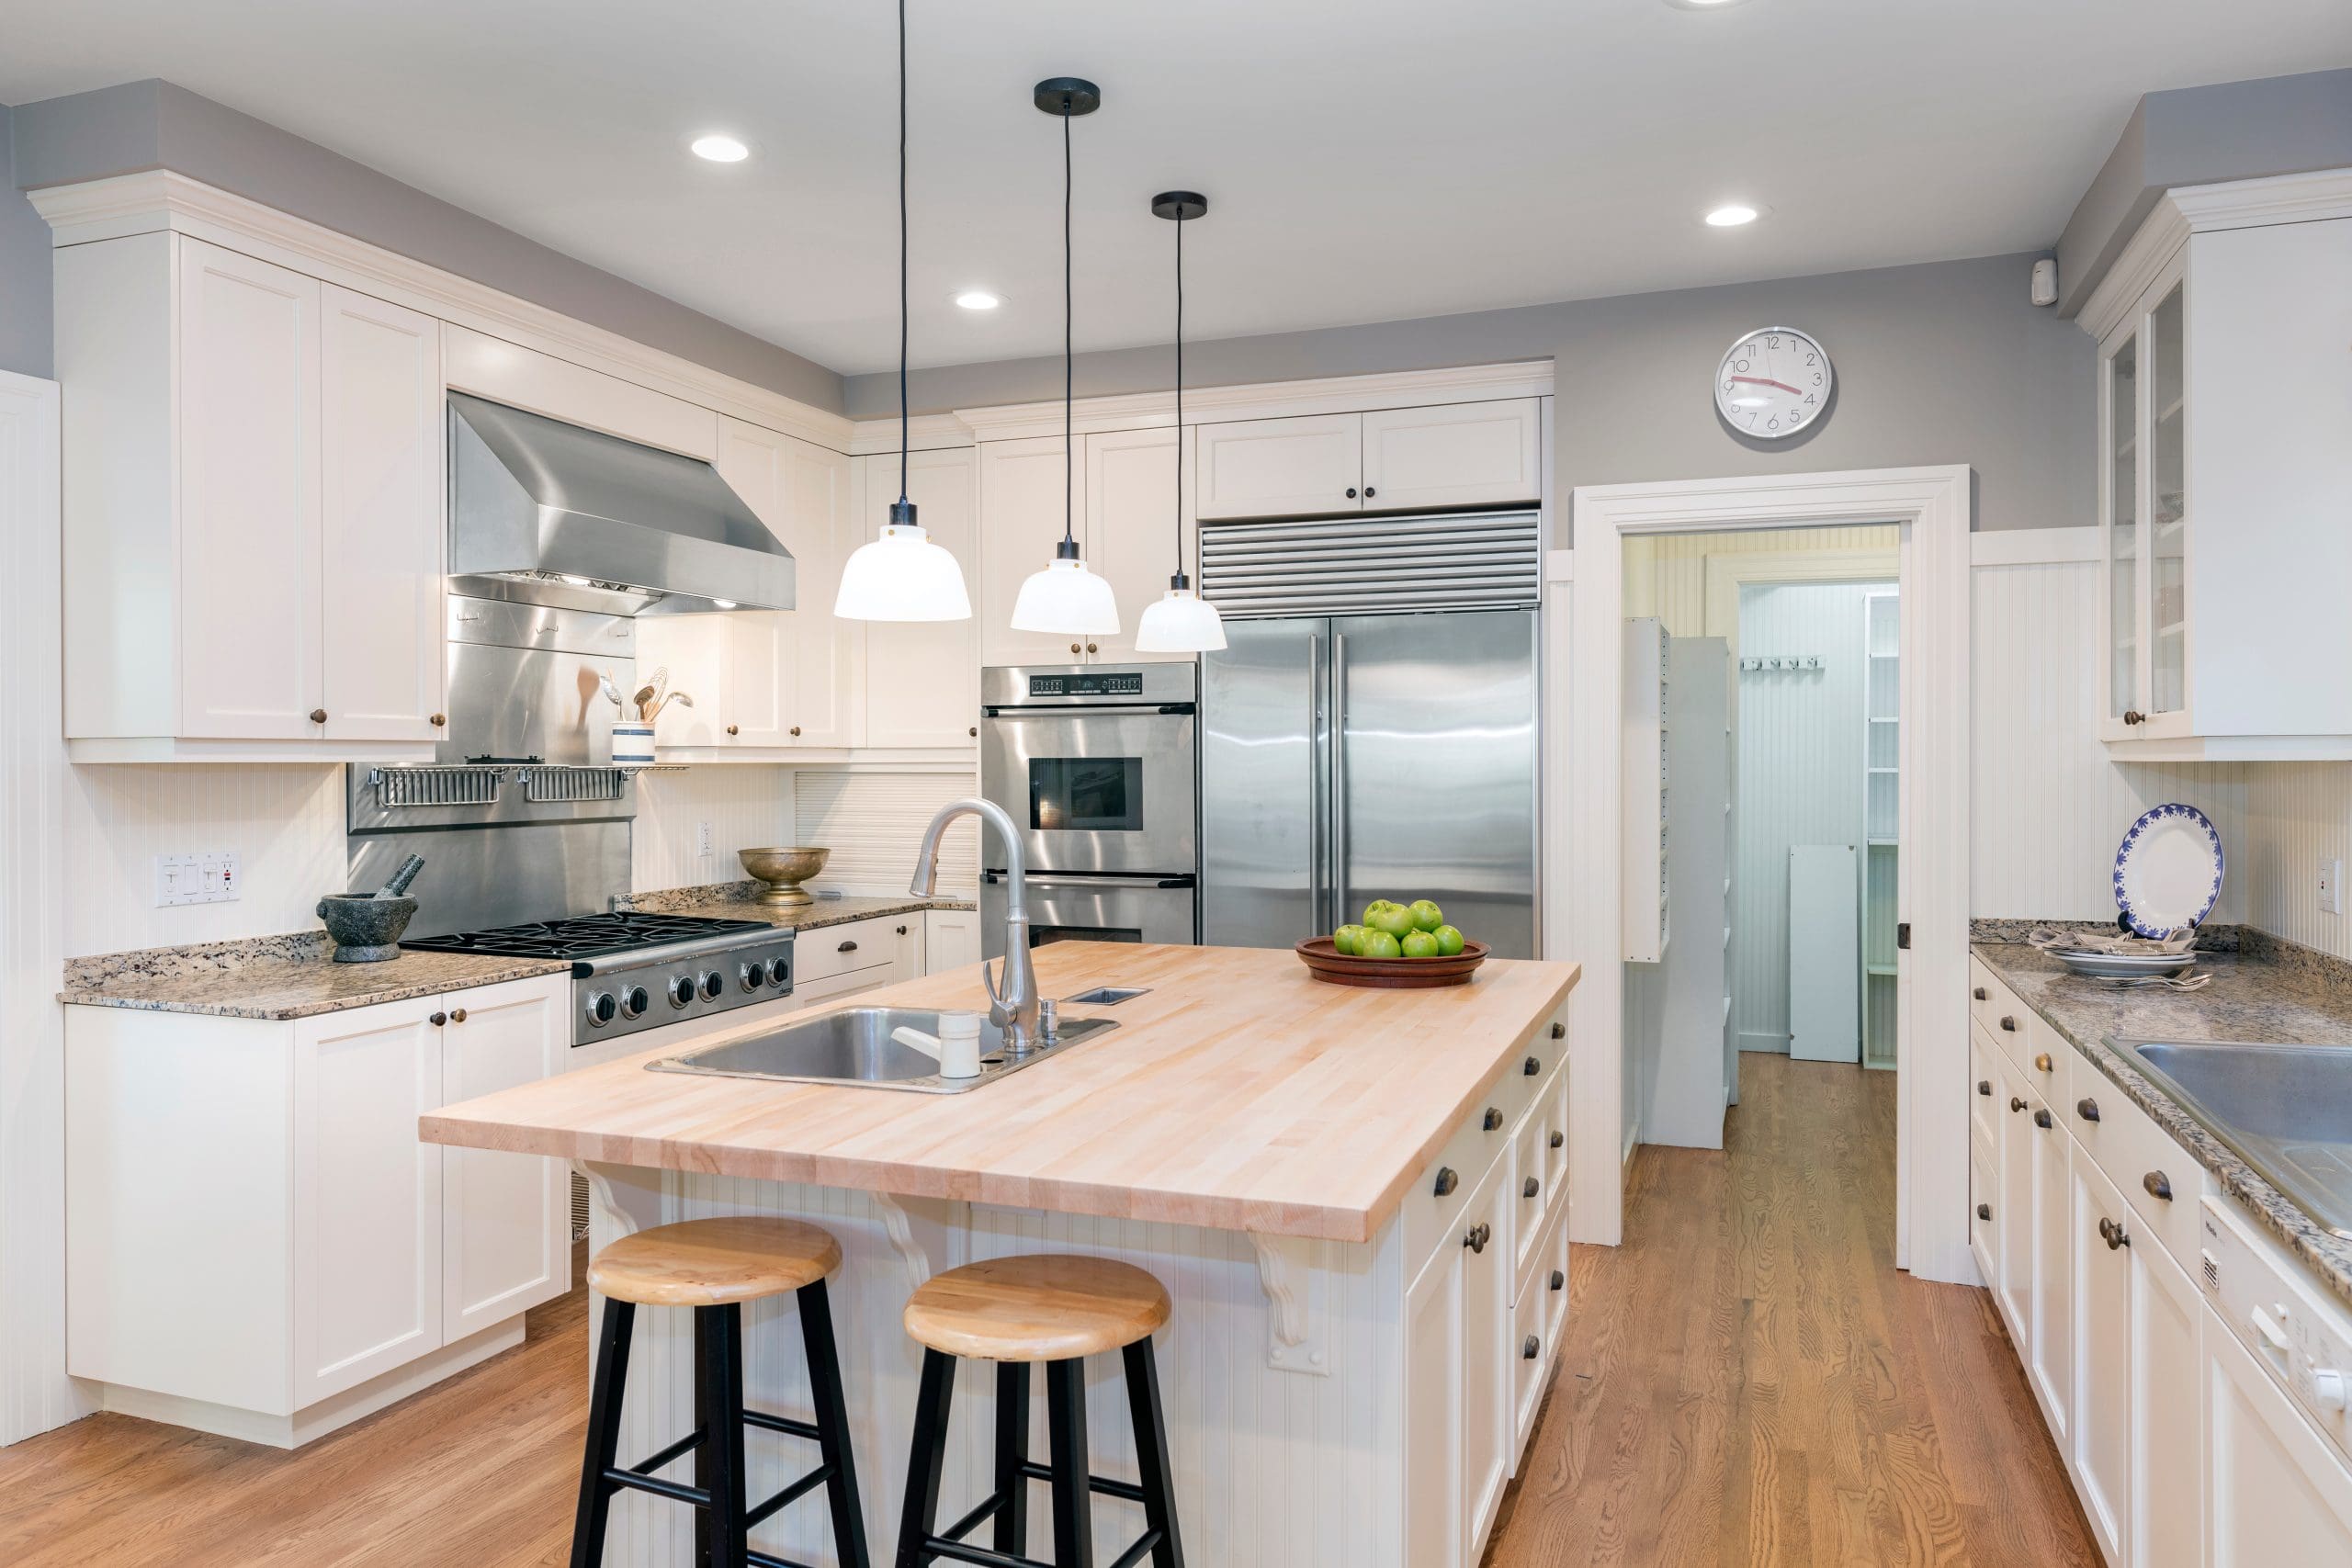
[[1236, 1094]]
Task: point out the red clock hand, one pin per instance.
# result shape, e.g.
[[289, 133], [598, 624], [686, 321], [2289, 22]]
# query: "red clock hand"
[[1768, 381]]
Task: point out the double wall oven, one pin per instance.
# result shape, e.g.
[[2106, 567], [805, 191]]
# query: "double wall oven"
[[1099, 766]]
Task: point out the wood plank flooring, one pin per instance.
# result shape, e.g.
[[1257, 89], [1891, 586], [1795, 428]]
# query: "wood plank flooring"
[[1748, 1381]]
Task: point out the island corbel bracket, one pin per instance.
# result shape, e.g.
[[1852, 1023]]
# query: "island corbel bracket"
[[898, 1226], [1291, 1273]]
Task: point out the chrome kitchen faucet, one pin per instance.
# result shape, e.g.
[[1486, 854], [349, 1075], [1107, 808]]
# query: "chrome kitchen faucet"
[[1012, 1010]]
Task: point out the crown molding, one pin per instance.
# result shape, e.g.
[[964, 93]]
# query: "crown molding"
[[161, 199], [2203, 209], [925, 432], [1266, 400]]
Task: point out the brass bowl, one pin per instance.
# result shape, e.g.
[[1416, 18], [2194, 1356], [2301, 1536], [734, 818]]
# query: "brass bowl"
[[783, 869]]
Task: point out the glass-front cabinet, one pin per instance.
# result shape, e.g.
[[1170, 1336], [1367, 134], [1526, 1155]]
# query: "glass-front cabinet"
[[2143, 518]]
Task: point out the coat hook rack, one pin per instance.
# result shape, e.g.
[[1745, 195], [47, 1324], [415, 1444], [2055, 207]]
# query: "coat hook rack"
[[1782, 662]]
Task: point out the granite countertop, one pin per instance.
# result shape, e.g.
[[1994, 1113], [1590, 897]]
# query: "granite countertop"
[[276, 977], [739, 901], [2266, 991]]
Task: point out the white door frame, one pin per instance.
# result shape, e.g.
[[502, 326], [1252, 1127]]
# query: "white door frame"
[[1932, 506]]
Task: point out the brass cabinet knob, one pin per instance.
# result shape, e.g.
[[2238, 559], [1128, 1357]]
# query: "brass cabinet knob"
[[2042, 1062], [2114, 1236], [437, 1019], [457, 1015], [1559, 1032], [2009, 1023], [1092, 648], [1479, 1234], [1559, 1139], [2042, 1119], [1532, 1067], [439, 719], [1983, 1211], [1533, 1185], [795, 730], [1494, 1119], [2016, 1104], [1984, 1086], [974, 730], [1446, 1180], [1980, 994], [902, 931], [1369, 493], [317, 715], [1529, 1347], [1075, 648], [1352, 492], [846, 947], [1559, 1279], [2159, 1186], [2086, 1108], [2133, 715], [731, 730]]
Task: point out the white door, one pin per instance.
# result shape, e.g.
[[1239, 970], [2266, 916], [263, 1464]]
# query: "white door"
[[1824, 944], [1280, 468], [951, 939], [2167, 1419], [381, 546], [1131, 529], [1020, 521], [827, 695], [2103, 1415], [1435, 1528], [1456, 455], [761, 652], [1486, 1358], [366, 1195], [505, 1218], [2051, 1365], [248, 410], [2277, 1492], [922, 677]]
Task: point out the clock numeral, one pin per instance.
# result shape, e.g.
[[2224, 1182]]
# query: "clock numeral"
[[1775, 425], [1740, 365], [1813, 359], [1816, 378], [1772, 342]]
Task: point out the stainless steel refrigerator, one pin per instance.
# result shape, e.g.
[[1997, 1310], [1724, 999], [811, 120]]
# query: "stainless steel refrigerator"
[[1348, 758]]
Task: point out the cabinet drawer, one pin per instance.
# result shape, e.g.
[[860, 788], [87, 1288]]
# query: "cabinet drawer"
[[1530, 1348], [1982, 1083], [1534, 1073], [1531, 1203], [1984, 1205], [1431, 1215], [2142, 1159], [1552, 1284], [1556, 1143], [853, 944]]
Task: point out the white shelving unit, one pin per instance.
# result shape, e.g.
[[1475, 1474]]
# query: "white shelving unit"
[[1644, 891], [1882, 798]]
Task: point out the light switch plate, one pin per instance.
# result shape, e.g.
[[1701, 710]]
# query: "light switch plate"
[[209, 877], [2331, 887]]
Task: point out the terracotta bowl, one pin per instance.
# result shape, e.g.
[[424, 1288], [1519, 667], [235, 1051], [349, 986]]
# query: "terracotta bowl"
[[1327, 964], [783, 869]]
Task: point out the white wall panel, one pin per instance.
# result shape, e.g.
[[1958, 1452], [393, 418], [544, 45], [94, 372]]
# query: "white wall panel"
[[1666, 574], [872, 823], [2296, 815], [747, 806]]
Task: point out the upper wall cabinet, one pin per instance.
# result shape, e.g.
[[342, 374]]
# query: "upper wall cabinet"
[[922, 686], [253, 548], [2224, 469], [1415, 459]]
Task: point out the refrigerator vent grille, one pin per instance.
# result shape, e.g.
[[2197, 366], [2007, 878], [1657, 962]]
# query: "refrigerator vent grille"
[[1334, 566]]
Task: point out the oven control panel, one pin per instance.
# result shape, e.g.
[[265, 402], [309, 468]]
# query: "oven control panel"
[[662, 989], [1088, 684]]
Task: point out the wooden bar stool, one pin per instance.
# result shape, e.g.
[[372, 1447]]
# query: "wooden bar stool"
[[1057, 1309], [714, 1267]]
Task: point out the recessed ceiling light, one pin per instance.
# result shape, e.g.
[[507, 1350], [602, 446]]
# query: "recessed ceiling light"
[[978, 299], [1702, 5], [719, 149], [1731, 216]]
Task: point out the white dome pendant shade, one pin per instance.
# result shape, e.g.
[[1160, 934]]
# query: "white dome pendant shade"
[[1067, 598], [902, 575], [1180, 621]]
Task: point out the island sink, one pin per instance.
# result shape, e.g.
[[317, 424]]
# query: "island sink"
[[853, 1047]]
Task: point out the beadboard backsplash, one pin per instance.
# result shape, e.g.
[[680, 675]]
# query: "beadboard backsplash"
[[872, 823], [746, 806]]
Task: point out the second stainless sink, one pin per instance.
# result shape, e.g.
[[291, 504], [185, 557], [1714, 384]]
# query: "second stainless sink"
[[853, 1047], [2286, 1110]]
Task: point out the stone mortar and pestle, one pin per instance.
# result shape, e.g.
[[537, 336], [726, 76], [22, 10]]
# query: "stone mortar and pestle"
[[367, 927]]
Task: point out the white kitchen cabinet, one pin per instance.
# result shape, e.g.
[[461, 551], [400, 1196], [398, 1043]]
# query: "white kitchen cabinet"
[[2049, 1363], [259, 1244], [696, 655], [2101, 1335], [2167, 1453], [1413, 459], [2276, 1492], [1458, 1383], [1131, 534], [2221, 407], [2013, 1287], [922, 678], [254, 510], [1021, 490], [1488, 1360], [951, 939]]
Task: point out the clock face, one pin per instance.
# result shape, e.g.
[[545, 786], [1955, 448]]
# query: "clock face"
[[1774, 382]]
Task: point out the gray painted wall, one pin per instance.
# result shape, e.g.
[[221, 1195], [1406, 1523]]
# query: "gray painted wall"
[[2233, 130], [26, 336], [1944, 363], [153, 124]]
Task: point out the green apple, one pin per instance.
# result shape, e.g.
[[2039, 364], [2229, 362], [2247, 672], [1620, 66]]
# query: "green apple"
[[1394, 919], [1420, 944], [1379, 943], [1347, 938], [1449, 940], [1427, 916]]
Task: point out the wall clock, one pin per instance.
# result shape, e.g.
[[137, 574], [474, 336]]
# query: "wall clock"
[[1774, 382]]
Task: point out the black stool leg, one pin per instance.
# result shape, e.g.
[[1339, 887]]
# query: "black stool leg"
[[603, 1435], [721, 1369], [1151, 1453], [832, 1425], [1066, 1425], [1012, 1453], [930, 1457]]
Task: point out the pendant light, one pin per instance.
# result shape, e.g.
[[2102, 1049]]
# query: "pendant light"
[[1180, 621], [1065, 599], [902, 575]]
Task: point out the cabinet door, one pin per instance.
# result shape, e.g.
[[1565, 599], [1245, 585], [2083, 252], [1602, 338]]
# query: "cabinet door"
[[907, 946], [2121, 596], [2013, 1211], [1488, 1358], [248, 410], [505, 1218], [366, 1195], [754, 656], [1131, 529], [951, 939], [697, 651], [380, 541], [2050, 1363], [1435, 1527], [2167, 504], [827, 697], [761, 653], [2103, 1416], [1456, 455], [2276, 1491], [1279, 468], [1020, 521], [2167, 1415], [923, 679]]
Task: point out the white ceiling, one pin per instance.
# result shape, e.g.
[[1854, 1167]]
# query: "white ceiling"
[[1365, 160]]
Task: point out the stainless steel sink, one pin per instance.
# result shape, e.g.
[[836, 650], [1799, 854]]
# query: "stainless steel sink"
[[853, 1047], [2286, 1110]]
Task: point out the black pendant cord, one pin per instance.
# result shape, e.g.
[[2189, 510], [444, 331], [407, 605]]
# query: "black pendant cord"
[[1070, 354], [1179, 580], [903, 511]]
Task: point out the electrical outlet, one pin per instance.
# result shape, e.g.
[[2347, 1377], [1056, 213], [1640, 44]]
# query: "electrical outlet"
[[209, 878], [2331, 887], [703, 840]]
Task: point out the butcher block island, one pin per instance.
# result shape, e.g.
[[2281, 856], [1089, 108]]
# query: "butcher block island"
[[1356, 1198]]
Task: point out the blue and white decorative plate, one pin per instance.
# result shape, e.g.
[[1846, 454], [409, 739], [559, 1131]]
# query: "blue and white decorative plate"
[[2169, 871]]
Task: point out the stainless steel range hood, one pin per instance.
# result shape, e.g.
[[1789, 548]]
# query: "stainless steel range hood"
[[546, 512]]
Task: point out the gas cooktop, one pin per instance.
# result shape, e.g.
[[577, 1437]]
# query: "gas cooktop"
[[587, 936]]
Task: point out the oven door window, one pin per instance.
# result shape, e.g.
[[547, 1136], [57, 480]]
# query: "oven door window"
[[1040, 935], [1086, 795]]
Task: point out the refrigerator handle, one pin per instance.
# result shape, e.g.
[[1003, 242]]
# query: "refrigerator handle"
[[1339, 879], [1317, 888]]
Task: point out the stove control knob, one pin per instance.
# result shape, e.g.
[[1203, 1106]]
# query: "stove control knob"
[[779, 971], [680, 990], [601, 1008], [751, 975], [635, 999], [713, 982]]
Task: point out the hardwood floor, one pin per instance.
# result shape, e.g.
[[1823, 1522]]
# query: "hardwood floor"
[[1750, 1379]]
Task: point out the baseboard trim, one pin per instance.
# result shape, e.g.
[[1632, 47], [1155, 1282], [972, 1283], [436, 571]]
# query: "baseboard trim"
[[1775, 1044]]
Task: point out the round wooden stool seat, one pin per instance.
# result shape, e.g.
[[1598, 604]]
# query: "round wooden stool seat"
[[1041, 1307], [715, 1262]]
